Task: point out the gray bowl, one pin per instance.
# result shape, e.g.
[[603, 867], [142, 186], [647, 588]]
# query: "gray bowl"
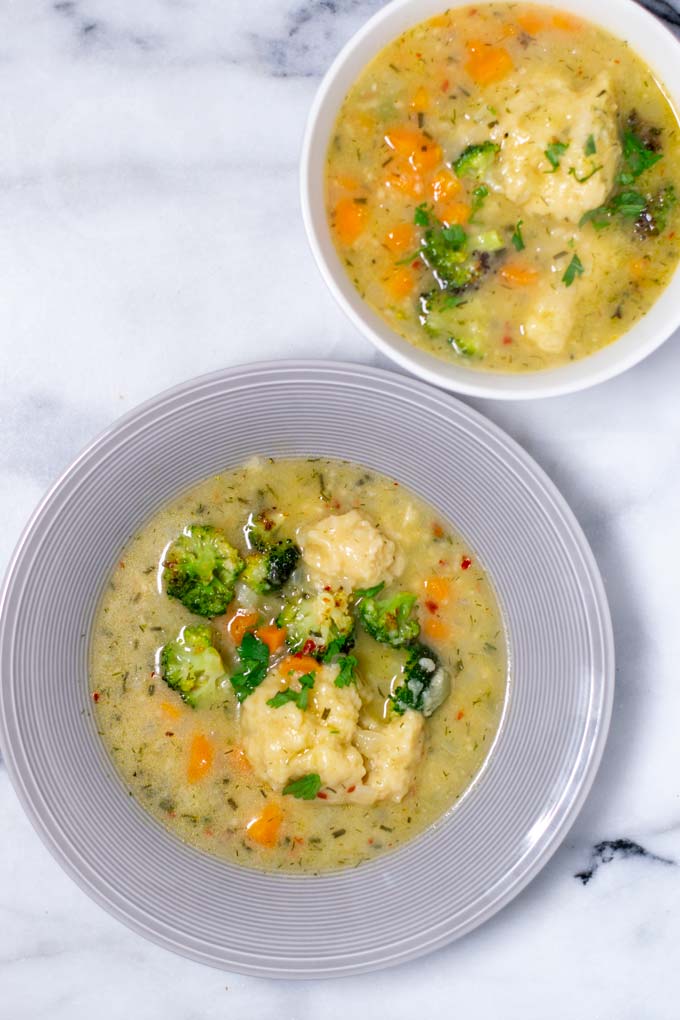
[[428, 892]]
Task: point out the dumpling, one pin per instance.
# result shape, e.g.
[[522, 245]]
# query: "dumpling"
[[346, 550], [546, 111]]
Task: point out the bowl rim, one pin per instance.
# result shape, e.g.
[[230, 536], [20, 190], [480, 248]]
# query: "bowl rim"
[[67, 856], [647, 334]]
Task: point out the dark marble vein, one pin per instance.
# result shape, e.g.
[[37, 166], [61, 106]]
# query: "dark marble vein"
[[616, 849], [315, 31]]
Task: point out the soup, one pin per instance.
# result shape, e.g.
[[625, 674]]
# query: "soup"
[[501, 187], [297, 665]]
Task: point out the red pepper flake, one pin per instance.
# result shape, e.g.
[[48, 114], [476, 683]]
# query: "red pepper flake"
[[443, 563], [327, 587], [370, 842], [507, 339], [299, 840], [322, 796], [445, 85], [465, 563], [95, 696], [169, 733], [460, 715], [419, 56], [437, 530], [431, 606], [416, 264], [308, 647], [351, 789]]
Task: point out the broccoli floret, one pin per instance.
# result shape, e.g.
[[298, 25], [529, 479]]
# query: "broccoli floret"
[[476, 160], [438, 317], [318, 624], [191, 665], [260, 529], [269, 569], [201, 568], [389, 621], [445, 251], [426, 683]]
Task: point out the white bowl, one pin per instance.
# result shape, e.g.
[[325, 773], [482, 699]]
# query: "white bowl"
[[624, 19]]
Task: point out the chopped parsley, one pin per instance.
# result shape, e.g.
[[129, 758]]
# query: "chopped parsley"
[[628, 204], [421, 217], [586, 177], [454, 235], [254, 656], [554, 153], [347, 675], [479, 197], [304, 788], [637, 157], [574, 269], [590, 148], [299, 698], [517, 239]]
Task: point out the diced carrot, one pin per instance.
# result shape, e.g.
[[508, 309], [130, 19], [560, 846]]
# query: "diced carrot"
[[421, 100], [264, 828], [454, 212], [402, 177], [438, 588], [349, 220], [567, 22], [170, 710], [400, 283], [530, 23], [402, 237], [240, 623], [488, 64], [201, 755], [435, 627], [298, 664], [420, 151], [445, 185], [272, 636], [518, 274], [238, 762]]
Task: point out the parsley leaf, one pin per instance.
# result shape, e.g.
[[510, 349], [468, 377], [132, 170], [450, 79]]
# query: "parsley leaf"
[[628, 204], [304, 788], [517, 239], [574, 269], [590, 148], [454, 235], [586, 177], [553, 154], [421, 217], [346, 676], [254, 656], [335, 645], [299, 698], [637, 157]]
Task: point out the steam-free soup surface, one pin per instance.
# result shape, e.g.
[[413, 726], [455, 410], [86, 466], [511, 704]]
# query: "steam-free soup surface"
[[501, 186], [222, 776]]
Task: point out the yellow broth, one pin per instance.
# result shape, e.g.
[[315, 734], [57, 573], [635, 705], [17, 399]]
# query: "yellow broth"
[[556, 100], [149, 730]]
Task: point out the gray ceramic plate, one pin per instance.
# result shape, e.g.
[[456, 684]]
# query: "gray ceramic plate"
[[477, 857]]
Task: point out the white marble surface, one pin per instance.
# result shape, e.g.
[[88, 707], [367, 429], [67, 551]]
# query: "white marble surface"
[[149, 231]]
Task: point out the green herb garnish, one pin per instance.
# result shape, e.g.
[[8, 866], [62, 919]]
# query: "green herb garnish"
[[517, 239], [637, 157], [574, 269], [254, 656], [421, 217], [554, 153], [346, 676], [479, 197], [590, 147], [304, 788], [582, 180], [299, 698]]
